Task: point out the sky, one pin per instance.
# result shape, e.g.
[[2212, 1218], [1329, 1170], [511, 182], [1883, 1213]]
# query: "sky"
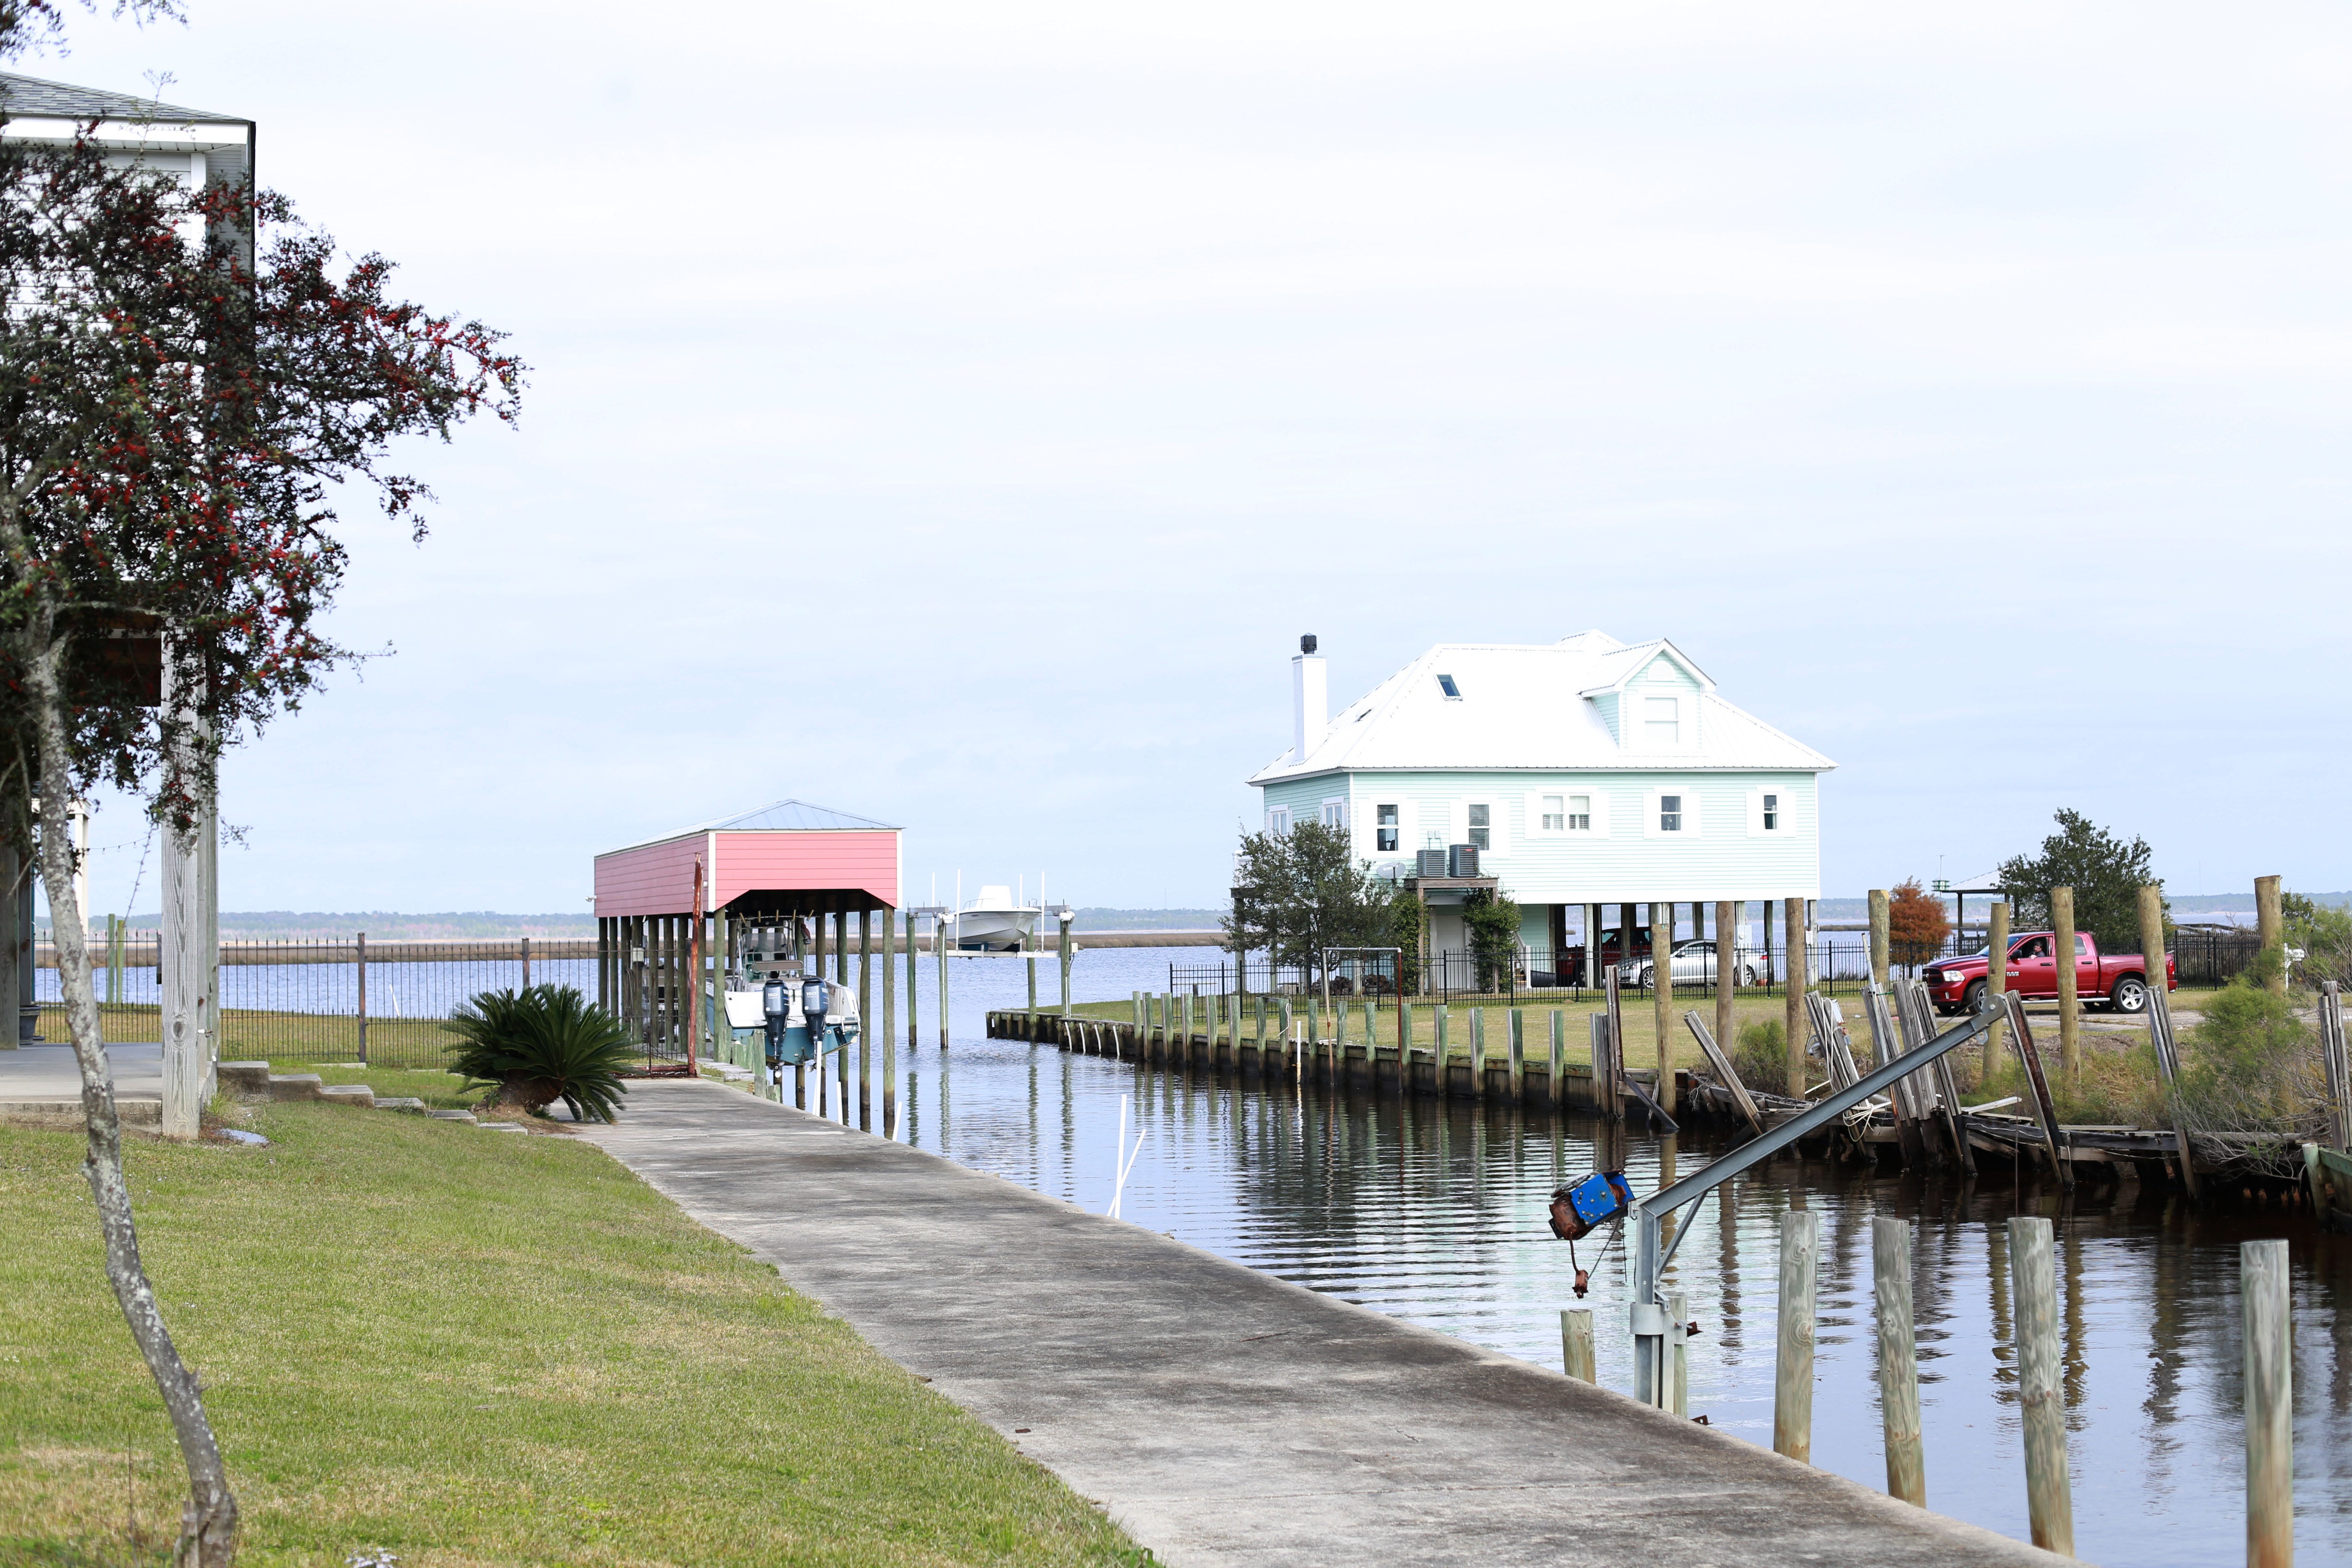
[[953, 414]]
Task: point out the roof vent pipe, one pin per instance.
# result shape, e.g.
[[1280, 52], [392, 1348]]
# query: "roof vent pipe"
[[1310, 706]]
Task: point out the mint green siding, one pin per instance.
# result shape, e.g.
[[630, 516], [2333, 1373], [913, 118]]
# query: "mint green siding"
[[1715, 856]]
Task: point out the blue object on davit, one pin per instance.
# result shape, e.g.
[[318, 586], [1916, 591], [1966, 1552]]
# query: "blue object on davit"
[[1582, 1207]]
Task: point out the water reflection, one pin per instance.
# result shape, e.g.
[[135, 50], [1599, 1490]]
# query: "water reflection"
[[1435, 1213]]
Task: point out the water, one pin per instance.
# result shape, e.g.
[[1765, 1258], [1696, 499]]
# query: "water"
[[1435, 1213]]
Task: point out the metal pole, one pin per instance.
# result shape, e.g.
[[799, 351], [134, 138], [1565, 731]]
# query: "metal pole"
[[2270, 1403], [2040, 1394], [1792, 1377], [1898, 1365], [362, 968]]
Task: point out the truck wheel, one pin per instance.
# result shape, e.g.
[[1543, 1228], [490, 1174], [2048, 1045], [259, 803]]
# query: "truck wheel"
[[2130, 995], [1748, 977], [1975, 998]]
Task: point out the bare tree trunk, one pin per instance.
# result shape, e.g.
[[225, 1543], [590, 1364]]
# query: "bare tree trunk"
[[208, 1520]]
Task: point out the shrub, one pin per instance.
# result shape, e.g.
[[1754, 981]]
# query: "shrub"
[[2252, 1064], [543, 1044], [1761, 1056]]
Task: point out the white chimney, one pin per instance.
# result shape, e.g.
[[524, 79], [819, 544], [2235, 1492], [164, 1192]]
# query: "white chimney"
[[1310, 700]]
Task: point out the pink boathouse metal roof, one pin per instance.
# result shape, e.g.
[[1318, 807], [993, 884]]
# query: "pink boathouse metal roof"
[[790, 857]]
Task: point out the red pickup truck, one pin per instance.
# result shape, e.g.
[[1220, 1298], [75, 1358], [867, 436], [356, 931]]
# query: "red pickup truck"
[[1958, 985]]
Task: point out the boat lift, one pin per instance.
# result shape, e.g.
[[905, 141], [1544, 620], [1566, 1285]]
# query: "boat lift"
[[1647, 1314]]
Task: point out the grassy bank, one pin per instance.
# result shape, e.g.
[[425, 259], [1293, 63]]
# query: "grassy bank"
[[467, 1347]]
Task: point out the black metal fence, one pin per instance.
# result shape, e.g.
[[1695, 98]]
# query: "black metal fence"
[[376, 1003]]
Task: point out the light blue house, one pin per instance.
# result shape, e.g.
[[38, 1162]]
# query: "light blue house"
[[1586, 773]]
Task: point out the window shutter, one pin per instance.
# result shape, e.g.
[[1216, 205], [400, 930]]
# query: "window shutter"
[[1650, 813], [1755, 813]]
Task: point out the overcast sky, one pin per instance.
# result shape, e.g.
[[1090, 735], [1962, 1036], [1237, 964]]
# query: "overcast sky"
[[953, 414]]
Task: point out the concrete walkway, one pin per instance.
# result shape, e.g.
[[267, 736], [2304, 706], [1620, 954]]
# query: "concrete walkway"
[[41, 1085], [1222, 1415]]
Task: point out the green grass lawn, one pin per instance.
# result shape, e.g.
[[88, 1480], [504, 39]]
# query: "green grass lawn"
[[467, 1348]]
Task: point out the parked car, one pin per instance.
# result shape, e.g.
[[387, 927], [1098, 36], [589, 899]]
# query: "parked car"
[[1691, 964], [1962, 984], [1572, 960]]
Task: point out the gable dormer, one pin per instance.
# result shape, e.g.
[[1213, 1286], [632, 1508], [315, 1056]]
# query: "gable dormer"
[[1655, 706]]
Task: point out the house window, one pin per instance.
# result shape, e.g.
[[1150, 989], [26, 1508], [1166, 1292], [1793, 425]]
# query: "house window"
[[1580, 813], [1661, 723], [1335, 813], [1555, 814], [1772, 813], [1278, 821], [1384, 829], [1482, 827], [1670, 813], [1452, 692]]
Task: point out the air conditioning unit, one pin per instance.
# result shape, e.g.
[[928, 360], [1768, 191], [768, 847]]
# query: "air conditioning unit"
[[1462, 861], [1432, 863]]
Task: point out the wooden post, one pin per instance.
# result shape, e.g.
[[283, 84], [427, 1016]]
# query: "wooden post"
[[1678, 1352], [912, 1038], [1898, 1365], [1719, 1059], [2041, 1394], [2269, 926], [940, 954], [1881, 941], [865, 1020], [1478, 1053], [1405, 1045], [1063, 950], [1995, 981], [1661, 999], [2053, 1132], [841, 976], [1445, 1072], [2160, 1026], [1576, 1343], [2264, 1287], [890, 1034], [1792, 1381], [1555, 1086], [2070, 1011], [1792, 912], [1517, 1055], [1727, 967]]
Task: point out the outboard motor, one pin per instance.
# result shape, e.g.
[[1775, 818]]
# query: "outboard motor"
[[776, 1002]]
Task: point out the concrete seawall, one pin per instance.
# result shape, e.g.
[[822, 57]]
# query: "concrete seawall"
[[1224, 1417]]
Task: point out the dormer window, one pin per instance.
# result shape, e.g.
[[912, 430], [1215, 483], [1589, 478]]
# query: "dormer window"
[[1662, 722], [1452, 692]]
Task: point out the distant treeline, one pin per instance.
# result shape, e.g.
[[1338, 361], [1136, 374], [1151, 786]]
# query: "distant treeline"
[[463, 925]]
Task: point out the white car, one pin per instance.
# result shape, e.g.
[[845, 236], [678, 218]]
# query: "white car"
[[1694, 964]]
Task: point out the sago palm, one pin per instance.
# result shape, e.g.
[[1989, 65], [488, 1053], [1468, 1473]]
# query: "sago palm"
[[543, 1044]]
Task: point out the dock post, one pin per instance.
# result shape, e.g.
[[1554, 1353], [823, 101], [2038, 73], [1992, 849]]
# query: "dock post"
[[1517, 1055], [890, 1034], [2264, 1287], [2070, 1009], [1477, 1053], [1793, 959], [939, 952], [1557, 1089], [1662, 1003], [2269, 926], [2040, 1394], [1880, 942], [912, 1039], [1576, 1343], [1405, 1045], [1996, 980], [865, 1020], [1678, 1352], [1793, 1378], [1444, 1051], [1063, 951], [1727, 967], [1898, 1365]]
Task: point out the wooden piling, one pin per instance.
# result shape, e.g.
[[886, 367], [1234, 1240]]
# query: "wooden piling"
[[865, 1019], [1793, 1379], [2041, 1394], [1792, 912], [2264, 1288], [1661, 1000], [1727, 966], [1556, 1085], [1898, 1365], [889, 1034], [2160, 1027], [940, 954], [2070, 1010], [2053, 1134], [1996, 982], [2269, 926], [1515, 1051], [912, 1038], [1721, 1062], [1678, 1352], [1881, 941], [1477, 1053], [1576, 1343]]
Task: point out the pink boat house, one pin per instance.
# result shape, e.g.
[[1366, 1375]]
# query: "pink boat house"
[[664, 900]]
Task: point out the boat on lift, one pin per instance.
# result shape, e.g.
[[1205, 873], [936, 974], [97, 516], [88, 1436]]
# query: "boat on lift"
[[995, 923]]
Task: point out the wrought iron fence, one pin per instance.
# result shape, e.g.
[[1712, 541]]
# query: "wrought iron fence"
[[376, 1003]]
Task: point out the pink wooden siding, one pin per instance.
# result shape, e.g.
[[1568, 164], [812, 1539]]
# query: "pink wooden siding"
[[862, 862], [650, 879], [658, 878]]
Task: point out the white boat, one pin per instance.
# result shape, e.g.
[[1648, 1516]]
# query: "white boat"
[[993, 923]]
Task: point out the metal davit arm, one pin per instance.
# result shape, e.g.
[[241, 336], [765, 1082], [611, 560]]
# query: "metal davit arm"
[[1648, 1315]]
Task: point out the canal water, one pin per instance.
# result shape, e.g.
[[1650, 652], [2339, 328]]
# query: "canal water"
[[1435, 1213]]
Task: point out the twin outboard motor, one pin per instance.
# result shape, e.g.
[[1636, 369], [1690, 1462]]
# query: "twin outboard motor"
[[806, 1017]]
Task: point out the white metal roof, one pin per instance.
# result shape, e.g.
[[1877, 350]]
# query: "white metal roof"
[[782, 817], [1530, 706]]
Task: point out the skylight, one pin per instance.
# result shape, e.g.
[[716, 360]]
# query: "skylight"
[[1452, 692]]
